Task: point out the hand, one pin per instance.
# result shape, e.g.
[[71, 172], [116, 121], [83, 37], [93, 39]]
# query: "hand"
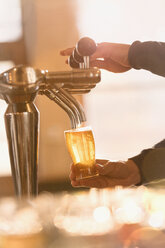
[[111, 174], [109, 56]]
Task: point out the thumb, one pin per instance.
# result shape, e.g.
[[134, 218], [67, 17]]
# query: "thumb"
[[113, 169], [101, 168]]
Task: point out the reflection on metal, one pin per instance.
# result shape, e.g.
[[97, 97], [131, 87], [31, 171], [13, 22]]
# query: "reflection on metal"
[[18, 87]]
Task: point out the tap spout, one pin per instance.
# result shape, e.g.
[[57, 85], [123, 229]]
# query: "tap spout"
[[69, 104], [78, 107]]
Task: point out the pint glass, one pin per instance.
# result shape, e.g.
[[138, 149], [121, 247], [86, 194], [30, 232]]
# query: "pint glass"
[[81, 146]]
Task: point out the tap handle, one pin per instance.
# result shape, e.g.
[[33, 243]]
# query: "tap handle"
[[86, 46], [72, 62], [81, 54], [78, 58]]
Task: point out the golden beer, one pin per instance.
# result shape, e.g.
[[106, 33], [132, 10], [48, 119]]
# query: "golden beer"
[[81, 146]]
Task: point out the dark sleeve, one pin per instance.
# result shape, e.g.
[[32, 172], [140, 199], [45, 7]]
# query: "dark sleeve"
[[151, 163], [148, 55]]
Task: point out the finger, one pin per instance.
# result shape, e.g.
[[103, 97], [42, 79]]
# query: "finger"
[[95, 182], [109, 65], [106, 182], [67, 52], [75, 183], [72, 175]]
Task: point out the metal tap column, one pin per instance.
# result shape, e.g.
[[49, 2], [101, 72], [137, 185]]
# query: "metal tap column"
[[21, 122], [18, 87]]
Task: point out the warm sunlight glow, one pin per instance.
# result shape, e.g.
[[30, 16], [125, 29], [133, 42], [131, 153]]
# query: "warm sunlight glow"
[[129, 212], [101, 214], [117, 21], [10, 20], [95, 15], [4, 155], [17, 220], [157, 220]]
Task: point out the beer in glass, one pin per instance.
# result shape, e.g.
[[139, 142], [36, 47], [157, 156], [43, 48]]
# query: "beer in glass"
[[81, 146]]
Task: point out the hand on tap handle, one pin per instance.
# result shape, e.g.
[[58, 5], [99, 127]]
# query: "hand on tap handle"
[[79, 55], [148, 165], [109, 56]]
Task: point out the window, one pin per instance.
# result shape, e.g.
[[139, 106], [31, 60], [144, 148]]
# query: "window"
[[10, 34], [10, 20]]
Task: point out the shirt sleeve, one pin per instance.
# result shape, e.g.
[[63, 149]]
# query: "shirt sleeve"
[[149, 55], [151, 163]]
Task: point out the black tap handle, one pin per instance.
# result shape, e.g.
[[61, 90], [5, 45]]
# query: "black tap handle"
[[72, 62], [86, 46], [77, 57]]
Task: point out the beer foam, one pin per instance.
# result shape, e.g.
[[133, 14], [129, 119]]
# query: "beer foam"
[[80, 129]]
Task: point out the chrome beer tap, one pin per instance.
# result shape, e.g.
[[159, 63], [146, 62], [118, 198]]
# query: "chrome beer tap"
[[19, 87], [80, 57]]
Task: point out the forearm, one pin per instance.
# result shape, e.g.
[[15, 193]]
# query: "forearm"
[[148, 55]]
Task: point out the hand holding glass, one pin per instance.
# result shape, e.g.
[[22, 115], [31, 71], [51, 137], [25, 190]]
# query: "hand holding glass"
[[81, 146]]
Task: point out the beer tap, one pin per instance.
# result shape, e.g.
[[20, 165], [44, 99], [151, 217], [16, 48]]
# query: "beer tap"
[[80, 57], [69, 104], [19, 87]]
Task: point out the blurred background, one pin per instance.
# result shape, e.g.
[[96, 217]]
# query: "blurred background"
[[126, 111]]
